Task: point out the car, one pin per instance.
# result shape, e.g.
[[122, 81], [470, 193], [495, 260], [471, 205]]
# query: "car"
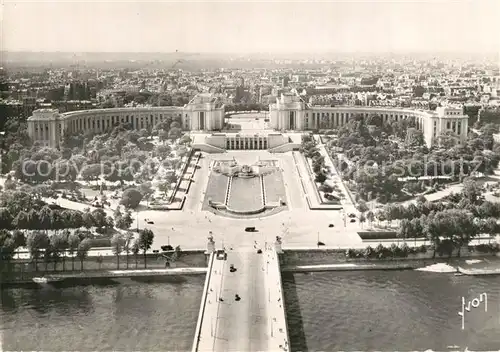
[[167, 248], [221, 255], [250, 229], [150, 222], [331, 225], [352, 215], [353, 220]]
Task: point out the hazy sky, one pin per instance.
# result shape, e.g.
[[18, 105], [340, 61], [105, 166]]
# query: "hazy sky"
[[350, 26]]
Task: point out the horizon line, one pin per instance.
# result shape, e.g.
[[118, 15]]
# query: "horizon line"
[[254, 52]]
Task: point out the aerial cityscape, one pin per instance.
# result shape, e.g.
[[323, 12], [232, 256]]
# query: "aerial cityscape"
[[222, 176]]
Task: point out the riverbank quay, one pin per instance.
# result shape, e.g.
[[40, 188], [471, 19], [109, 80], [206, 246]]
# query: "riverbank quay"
[[316, 260], [352, 267], [24, 270], [105, 276], [486, 266]]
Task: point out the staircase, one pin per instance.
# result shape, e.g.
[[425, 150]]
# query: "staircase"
[[287, 147], [207, 148], [263, 190], [228, 190]]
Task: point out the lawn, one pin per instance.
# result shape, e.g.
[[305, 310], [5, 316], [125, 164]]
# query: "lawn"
[[274, 187], [216, 188]]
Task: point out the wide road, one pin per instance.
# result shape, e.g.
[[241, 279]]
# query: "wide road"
[[244, 325]]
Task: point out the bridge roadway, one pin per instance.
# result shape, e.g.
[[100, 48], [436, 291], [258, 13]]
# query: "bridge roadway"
[[256, 322]]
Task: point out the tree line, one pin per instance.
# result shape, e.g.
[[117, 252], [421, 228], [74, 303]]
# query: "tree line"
[[377, 161]]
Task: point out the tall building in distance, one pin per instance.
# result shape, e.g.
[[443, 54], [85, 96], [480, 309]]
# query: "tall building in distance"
[[240, 90], [284, 81]]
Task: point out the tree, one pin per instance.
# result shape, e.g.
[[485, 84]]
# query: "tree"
[[421, 200], [370, 217], [185, 139], [177, 253], [146, 190], [448, 140], [7, 247], [182, 151], [127, 246], [59, 243], [163, 135], [326, 188], [117, 214], [362, 219], [91, 172], [131, 198], [320, 178], [87, 218], [21, 221], [45, 217], [83, 250], [73, 243], [19, 238], [472, 190], [146, 237], [464, 227], [117, 244], [362, 207], [405, 229], [37, 241], [99, 218], [135, 249], [162, 151], [164, 187], [174, 133], [123, 221], [171, 178], [5, 219]]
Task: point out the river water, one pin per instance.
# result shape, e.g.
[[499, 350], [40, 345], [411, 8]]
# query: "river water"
[[371, 310], [130, 315], [390, 310]]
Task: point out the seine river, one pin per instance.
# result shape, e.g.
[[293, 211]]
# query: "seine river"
[[132, 316], [371, 310], [390, 310]]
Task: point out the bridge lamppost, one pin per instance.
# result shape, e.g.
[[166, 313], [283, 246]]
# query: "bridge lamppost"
[[212, 333]]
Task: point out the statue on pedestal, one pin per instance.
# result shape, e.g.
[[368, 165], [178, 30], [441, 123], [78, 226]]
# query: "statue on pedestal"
[[211, 243]]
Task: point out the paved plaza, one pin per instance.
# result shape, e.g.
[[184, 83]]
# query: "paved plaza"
[[247, 122], [299, 226]]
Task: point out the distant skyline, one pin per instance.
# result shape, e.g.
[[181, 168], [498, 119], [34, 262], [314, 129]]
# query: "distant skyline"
[[252, 27]]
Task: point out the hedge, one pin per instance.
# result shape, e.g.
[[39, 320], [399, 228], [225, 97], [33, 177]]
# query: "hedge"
[[378, 235]]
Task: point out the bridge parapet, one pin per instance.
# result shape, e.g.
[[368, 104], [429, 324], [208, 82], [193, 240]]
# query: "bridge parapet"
[[229, 321], [204, 300], [276, 306]]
